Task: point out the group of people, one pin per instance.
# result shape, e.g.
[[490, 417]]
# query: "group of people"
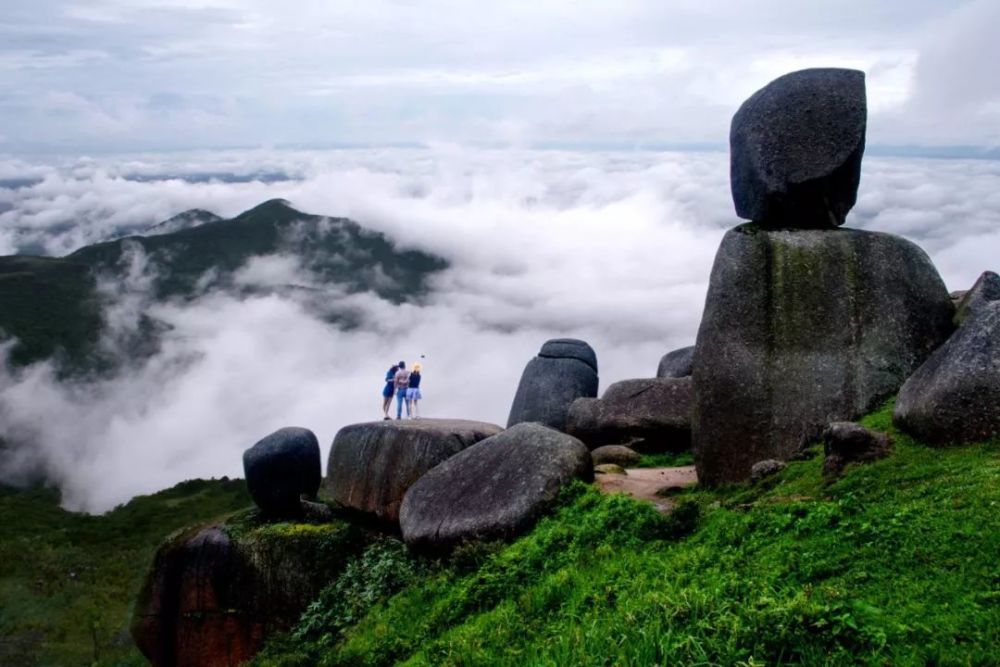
[[405, 386]]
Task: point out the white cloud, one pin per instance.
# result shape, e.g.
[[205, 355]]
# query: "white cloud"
[[615, 248]]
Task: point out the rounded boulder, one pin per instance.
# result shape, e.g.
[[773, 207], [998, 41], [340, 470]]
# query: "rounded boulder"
[[371, 465], [496, 489], [281, 468], [565, 370]]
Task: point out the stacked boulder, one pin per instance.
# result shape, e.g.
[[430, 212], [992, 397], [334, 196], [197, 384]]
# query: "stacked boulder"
[[282, 468], [676, 364], [564, 370], [804, 323]]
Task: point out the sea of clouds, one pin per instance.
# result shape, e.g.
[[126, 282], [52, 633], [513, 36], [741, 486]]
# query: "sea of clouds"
[[612, 247]]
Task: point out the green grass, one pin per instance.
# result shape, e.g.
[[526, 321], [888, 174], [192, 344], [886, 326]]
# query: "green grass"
[[67, 581], [667, 460], [895, 563]]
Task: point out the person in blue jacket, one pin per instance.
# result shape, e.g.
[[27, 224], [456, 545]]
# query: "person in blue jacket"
[[388, 390]]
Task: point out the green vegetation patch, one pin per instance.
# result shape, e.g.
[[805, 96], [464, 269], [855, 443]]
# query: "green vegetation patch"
[[894, 563], [67, 580]]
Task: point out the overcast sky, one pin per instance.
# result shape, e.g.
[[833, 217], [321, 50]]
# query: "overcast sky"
[[108, 75]]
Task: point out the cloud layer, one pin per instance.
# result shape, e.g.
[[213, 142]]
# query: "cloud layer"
[[124, 75], [615, 248]]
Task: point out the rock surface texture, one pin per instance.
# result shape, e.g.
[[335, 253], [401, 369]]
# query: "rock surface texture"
[[985, 290], [371, 465], [617, 454], [848, 442], [211, 599], [495, 489], [955, 395], [802, 328], [796, 147], [564, 370], [281, 468], [676, 364], [652, 415]]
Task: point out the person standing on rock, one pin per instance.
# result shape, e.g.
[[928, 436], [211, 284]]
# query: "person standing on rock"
[[388, 390], [413, 392], [401, 382]]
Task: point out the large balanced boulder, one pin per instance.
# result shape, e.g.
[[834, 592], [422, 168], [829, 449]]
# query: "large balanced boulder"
[[281, 468], [371, 465], [653, 414], [676, 364], [214, 594], [802, 328], [564, 370], [796, 147], [955, 396], [495, 489], [985, 290]]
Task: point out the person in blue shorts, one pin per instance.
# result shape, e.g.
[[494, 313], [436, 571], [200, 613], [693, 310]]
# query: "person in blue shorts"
[[388, 390], [413, 392]]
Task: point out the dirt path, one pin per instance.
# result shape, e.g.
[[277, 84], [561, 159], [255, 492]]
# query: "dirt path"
[[643, 483]]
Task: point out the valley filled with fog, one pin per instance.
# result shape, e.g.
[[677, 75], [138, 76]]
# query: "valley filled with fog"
[[612, 247]]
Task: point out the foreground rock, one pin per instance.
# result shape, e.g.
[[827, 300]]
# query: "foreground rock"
[[802, 328], [496, 489], [676, 364], [213, 595], [281, 468], [796, 147], [653, 415], [847, 442], [955, 396], [371, 465], [985, 290], [617, 454], [564, 370], [767, 468]]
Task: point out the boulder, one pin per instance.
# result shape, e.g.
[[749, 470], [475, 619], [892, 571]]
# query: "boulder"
[[371, 465], [214, 595], [617, 454], [609, 469], [495, 489], [802, 328], [955, 396], [763, 469], [985, 290], [796, 147], [566, 369], [281, 468], [676, 364], [848, 442], [653, 415]]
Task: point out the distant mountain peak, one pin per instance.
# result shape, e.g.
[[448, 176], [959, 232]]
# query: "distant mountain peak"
[[190, 218]]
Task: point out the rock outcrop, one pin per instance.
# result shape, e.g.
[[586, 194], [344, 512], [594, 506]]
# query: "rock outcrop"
[[495, 489], [847, 442], [802, 328], [767, 468], [985, 290], [281, 468], [564, 370], [955, 396], [617, 454], [652, 415], [796, 147], [676, 364], [371, 465], [214, 594]]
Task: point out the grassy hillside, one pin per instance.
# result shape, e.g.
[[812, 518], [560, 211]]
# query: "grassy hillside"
[[896, 563], [50, 304], [67, 581]]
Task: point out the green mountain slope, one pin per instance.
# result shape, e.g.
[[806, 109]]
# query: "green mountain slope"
[[67, 581], [50, 304], [894, 564]]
